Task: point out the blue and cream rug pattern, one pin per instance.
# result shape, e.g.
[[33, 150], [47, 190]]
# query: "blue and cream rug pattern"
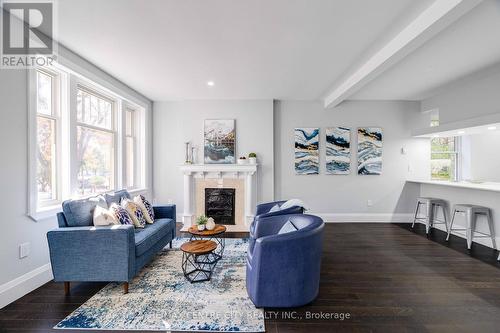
[[161, 299]]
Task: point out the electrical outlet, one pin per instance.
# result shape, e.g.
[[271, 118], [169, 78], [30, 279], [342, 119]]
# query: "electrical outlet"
[[170, 201], [369, 203], [24, 250]]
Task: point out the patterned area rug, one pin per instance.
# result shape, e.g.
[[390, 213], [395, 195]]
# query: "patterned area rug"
[[161, 299]]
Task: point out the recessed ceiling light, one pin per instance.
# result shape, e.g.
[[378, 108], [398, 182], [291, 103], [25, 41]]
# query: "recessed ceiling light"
[[492, 128], [461, 132], [210, 83]]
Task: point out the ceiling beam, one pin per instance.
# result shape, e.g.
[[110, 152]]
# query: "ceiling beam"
[[439, 15]]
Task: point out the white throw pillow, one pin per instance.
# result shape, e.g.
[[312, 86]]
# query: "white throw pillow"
[[102, 217], [138, 201], [293, 203]]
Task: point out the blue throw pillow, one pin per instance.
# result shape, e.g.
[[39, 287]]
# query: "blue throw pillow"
[[287, 227]]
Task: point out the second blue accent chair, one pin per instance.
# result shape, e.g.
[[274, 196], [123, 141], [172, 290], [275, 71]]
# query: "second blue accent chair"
[[283, 269]]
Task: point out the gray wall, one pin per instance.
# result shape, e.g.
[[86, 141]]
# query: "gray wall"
[[177, 122], [16, 226], [348, 194]]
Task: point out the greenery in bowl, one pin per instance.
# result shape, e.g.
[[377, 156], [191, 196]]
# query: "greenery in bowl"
[[201, 220], [252, 155]]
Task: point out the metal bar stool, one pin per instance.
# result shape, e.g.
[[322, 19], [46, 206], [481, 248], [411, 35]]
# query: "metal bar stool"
[[430, 218], [471, 212]]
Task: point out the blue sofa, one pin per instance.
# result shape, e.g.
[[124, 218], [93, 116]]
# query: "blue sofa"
[[283, 269], [80, 251]]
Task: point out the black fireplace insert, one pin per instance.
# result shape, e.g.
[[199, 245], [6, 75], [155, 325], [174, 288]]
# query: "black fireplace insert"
[[219, 204]]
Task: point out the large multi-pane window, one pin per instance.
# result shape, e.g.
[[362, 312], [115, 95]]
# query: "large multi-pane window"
[[85, 139], [95, 137], [444, 158], [46, 136], [130, 147]]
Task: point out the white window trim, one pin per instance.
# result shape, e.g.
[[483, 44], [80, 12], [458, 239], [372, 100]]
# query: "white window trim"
[[66, 136]]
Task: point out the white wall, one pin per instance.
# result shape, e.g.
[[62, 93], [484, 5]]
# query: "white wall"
[[484, 156], [473, 96], [177, 122], [19, 276], [344, 197]]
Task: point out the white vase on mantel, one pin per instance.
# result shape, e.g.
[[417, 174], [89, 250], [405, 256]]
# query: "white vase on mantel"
[[252, 160]]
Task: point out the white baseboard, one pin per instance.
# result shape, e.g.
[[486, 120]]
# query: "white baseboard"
[[365, 217], [17, 288]]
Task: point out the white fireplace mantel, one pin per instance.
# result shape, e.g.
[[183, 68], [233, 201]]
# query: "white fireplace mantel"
[[218, 171]]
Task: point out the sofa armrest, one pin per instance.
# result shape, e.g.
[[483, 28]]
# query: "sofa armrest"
[[165, 211], [92, 253]]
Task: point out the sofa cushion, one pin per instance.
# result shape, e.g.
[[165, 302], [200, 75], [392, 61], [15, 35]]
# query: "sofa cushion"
[[116, 197], [151, 234], [80, 213]]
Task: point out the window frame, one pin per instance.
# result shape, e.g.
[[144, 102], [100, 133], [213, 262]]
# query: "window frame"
[[458, 157], [68, 81]]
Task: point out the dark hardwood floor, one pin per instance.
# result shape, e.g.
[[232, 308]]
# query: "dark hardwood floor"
[[386, 277]]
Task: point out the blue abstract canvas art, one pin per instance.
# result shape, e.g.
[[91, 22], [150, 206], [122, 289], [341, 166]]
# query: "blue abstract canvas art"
[[338, 151], [369, 151], [306, 151], [219, 146]]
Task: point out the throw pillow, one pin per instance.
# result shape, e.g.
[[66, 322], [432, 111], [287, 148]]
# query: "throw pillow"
[[138, 201], [287, 227], [120, 214], [274, 208], [293, 203], [103, 216], [149, 207], [135, 213]]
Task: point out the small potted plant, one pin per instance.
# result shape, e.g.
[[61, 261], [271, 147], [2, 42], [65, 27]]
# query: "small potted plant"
[[201, 221], [242, 160], [252, 158]]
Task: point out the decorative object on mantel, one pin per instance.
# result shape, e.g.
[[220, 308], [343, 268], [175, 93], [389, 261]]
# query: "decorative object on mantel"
[[369, 151], [338, 150], [219, 141], [306, 151], [193, 154], [242, 160], [252, 158], [187, 159], [210, 224], [201, 222]]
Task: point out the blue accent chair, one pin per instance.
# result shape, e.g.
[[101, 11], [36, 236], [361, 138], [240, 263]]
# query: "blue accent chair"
[[283, 269], [263, 209], [79, 251]]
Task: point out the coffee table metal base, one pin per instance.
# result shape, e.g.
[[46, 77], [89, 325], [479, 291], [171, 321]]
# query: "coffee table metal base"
[[198, 267], [221, 243]]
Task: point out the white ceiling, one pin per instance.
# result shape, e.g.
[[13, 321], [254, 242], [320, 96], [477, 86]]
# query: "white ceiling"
[[466, 46], [259, 49]]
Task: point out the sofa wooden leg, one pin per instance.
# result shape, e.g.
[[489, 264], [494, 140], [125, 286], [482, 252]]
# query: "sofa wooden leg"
[[170, 244], [66, 288], [125, 288]]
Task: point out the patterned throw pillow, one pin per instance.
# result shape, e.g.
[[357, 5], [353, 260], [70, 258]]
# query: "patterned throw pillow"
[[149, 207], [135, 213], [120, 214], [138, 201]]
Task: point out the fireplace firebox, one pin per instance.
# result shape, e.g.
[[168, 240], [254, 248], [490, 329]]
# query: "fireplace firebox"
[[219, 204]]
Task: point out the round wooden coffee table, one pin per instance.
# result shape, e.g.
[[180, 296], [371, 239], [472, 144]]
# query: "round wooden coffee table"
[[214, 235], [197, 264]]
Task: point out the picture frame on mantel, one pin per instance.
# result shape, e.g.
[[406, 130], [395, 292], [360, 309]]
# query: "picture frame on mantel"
[[219, 141]]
